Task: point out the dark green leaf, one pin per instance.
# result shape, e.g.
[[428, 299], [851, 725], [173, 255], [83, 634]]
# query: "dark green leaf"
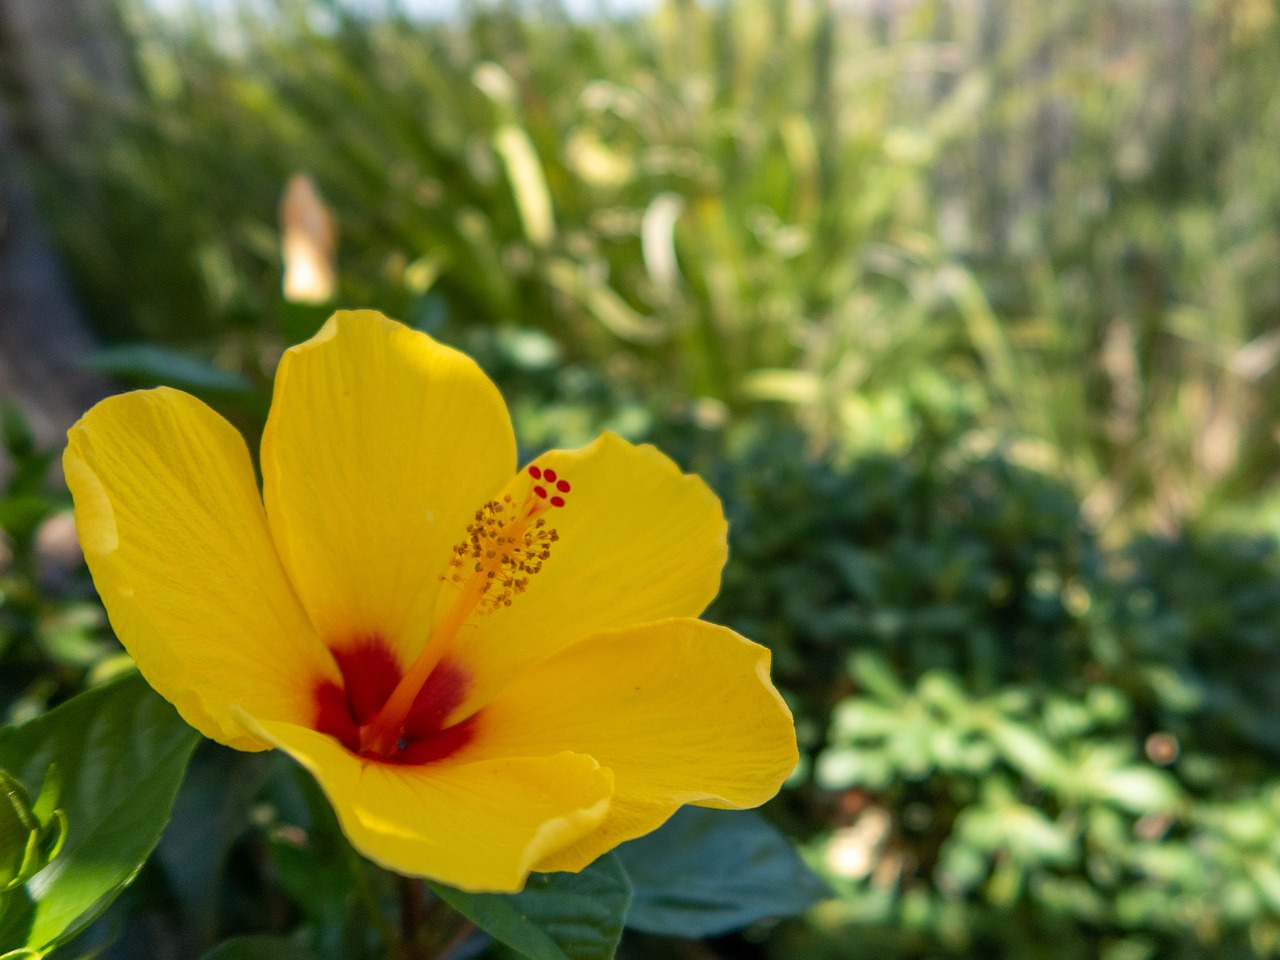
[[29, 477], [558, 916], [211, 812], [258, 948], [710, 871], [121, 752], [314, 864], [18, 438], [17, 911], [301, 321], [151, 364], [20, 515]]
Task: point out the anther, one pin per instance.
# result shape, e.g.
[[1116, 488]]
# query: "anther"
[[504, 547]]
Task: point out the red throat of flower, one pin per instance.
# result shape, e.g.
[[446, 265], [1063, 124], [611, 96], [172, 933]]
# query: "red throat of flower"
[[506, 544]]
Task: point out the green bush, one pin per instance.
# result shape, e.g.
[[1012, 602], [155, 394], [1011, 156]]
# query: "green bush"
[[904, 290], [53, 632], [754, 202], [1018, 743]]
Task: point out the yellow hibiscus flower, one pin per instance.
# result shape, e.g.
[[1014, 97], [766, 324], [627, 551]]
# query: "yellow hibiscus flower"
[[488, 671]]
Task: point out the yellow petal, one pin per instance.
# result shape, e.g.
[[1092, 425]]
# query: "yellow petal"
[[638, 541], [681, 711], [380, 445], [478, 826], [174, 533], [628, 818]]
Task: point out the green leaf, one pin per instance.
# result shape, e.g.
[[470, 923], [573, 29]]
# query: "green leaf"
[[30, 834], [707, 872], [558, 916], [841, 767], [121, 752], [258, 948], [302, 321], [314, 864], [876, 677], [20, 515], [1141, 790], [1029, 753], [211, 812], [18, 827], [152, 364], [17, 911], [18, 437]]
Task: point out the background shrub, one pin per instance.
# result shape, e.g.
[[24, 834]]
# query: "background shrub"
[[967, 311]]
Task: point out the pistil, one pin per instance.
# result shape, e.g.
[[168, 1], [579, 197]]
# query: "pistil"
[[505, 546]]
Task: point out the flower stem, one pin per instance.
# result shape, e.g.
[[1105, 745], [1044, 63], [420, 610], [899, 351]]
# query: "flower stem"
[[364, 892], [412, 914], [428, 931], [464, 929]]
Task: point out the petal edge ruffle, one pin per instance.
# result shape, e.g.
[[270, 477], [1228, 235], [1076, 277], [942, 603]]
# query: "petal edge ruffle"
[[479, 826], [681, 711], [638, 541]]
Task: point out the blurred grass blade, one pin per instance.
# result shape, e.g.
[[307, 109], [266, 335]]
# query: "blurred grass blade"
[[154, 365], [658, 241], [528, 183]]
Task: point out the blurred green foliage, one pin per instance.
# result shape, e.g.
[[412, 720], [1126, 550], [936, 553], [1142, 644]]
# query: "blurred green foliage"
[[969, 314], [53, 632], [1069, 212], [1017, 743]]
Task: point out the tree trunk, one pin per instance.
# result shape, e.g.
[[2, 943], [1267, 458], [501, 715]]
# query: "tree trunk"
[[43, 334]]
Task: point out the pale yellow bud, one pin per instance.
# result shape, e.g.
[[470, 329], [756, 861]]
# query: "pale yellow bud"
[[309, 244]]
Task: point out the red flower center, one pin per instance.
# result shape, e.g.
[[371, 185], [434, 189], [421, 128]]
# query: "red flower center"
[[370, 672], [384, 712]]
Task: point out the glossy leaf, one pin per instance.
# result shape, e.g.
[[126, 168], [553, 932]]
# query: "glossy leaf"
[[706, 872], [121, 752], [211, 812], [558, 916]]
